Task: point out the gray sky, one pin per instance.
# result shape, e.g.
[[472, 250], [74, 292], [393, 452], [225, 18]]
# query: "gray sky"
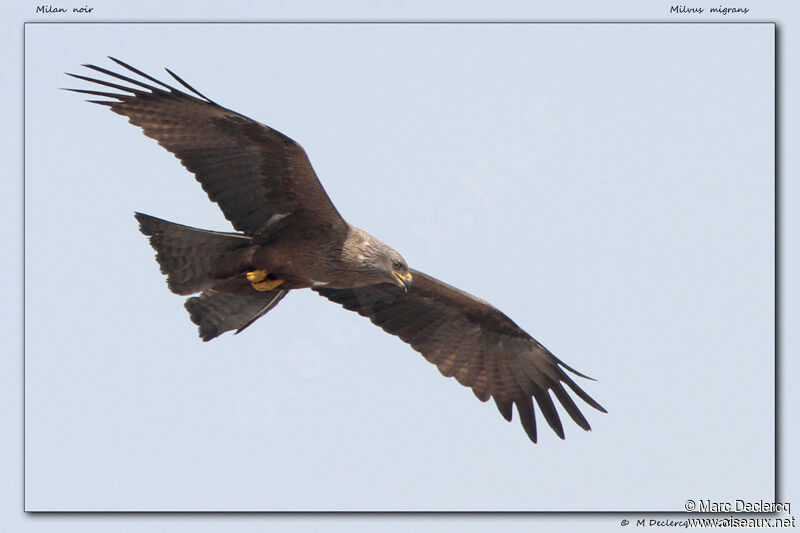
[[624, 172]]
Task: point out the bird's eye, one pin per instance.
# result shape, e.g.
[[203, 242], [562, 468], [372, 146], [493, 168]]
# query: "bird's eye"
[[397, 265]]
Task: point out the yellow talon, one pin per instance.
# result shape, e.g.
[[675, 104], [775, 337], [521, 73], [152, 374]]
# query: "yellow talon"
[[258, 279], [254, 276], [266, 285]]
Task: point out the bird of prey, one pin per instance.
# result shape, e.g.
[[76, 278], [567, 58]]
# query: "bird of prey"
[[290, 236]]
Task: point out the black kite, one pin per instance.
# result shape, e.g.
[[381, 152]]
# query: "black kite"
[[292, 237]]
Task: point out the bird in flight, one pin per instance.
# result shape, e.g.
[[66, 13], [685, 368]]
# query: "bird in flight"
[[289, 236]]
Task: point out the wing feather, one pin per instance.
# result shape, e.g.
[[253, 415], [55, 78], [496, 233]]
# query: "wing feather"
[[467, 338], [249, 169], [527, 417]]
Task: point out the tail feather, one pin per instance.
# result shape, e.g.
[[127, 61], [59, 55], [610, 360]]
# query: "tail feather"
[[188, 255], [191, 260], [217, 310]]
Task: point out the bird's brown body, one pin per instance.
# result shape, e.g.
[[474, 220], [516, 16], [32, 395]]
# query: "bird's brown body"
[[305, 261]]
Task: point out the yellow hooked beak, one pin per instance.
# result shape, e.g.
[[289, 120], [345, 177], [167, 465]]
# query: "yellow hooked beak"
[[403, 280]]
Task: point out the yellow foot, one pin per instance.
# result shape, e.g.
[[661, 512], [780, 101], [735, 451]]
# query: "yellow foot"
[[260, 282], [254, 276], [266, 285]]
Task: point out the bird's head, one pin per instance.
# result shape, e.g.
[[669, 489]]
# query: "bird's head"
[[381, 262], [399, 271], [392, 267]]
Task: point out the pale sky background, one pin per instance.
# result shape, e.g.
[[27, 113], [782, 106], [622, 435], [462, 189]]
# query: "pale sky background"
[[605, 185], [623, 171]]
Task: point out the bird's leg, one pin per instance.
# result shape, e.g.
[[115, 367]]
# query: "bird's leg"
[[258, 279]]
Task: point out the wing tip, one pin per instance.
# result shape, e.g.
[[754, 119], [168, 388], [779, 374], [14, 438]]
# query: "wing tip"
[[119, 62], [187, 86], [567, 367], [504, 408], [576, 389]]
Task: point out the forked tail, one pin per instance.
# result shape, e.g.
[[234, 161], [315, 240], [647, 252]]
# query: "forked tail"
[[191, 259]]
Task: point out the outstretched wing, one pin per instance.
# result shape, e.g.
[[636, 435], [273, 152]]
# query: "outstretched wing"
[[467, 338], [260, 178]]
